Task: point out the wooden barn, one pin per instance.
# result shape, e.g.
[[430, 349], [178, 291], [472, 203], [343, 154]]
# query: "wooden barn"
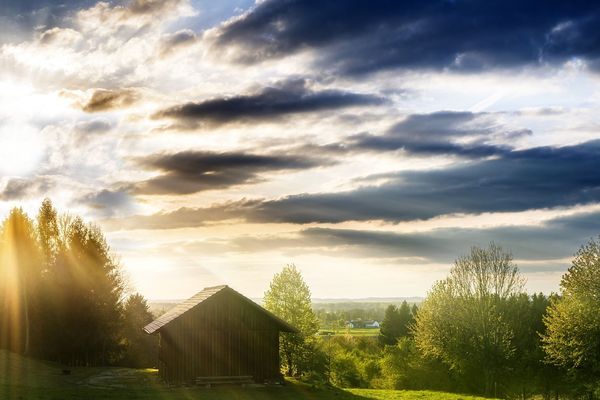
[[218, 333]]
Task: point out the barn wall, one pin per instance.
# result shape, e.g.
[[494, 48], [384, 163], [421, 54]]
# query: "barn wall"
[[224, 336]]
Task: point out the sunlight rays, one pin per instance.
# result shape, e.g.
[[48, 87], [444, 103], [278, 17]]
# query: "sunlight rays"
[[14, 327]]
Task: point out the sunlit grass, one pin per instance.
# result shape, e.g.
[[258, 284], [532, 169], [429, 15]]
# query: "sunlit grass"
[[409, 395]]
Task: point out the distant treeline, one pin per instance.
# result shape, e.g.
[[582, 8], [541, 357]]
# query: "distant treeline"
[[334, 315], [62, 294]]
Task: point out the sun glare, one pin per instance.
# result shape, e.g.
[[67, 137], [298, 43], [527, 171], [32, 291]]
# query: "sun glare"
[[21, 149]]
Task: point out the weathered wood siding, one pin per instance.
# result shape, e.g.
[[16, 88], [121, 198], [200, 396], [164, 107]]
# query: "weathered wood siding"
[[224, 337]]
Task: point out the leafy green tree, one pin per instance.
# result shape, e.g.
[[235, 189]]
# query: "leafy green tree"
[[140, 348], [529, 374], [464, 320], [289, 298], [572, 338]]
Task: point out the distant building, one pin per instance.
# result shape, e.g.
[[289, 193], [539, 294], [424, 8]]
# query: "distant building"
[[372, 324], [360, 324], [218, 333]]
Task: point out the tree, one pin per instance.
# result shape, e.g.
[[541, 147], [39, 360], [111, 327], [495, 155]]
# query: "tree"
[[289, 298], [20, 273], [390, 326], [464, 320], [60, 289], [572, 339], [396, 324], [140, 348], [91, 300], [48, 232]]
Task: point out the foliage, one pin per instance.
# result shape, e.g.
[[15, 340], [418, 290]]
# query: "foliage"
[[464, 320], [20, 280], [396, 324], [403, 367], [140, 348], [289, 298], [61, 289], [572, 340]]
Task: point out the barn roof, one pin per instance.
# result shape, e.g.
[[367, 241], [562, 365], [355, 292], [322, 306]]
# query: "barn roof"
[[201, 297]]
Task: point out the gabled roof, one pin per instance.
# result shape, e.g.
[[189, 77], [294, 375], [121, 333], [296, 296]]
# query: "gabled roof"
[[201, 297]]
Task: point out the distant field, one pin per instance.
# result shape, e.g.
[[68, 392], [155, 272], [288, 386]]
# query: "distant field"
[[352, 332], [23, 378]]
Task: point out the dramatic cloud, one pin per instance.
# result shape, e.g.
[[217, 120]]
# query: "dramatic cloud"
[[444, 132], [195, 171], [106, 45], [383, 34], [104, 100], [289, 97], [555, 239], [322, 133], [542, 177], [521, 180]]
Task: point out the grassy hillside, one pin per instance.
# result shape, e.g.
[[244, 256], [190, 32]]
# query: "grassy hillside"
[[22, 379]]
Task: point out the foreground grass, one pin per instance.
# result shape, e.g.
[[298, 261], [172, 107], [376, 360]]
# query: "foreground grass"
[[409, 395], [27, 379]]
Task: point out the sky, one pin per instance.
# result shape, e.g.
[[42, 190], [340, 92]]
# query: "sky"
[[369, 143]]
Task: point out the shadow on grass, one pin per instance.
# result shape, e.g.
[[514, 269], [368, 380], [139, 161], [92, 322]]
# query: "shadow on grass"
[[23, 379]]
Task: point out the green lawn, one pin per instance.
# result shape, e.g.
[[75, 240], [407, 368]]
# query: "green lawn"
[[27, 379], [409, 395]]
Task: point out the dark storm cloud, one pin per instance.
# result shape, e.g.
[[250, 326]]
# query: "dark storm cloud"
[[289, 97], [542, 177], [557, 238], [104, 100], [438, 133], [357, 37], [520, 180], [195, 171]]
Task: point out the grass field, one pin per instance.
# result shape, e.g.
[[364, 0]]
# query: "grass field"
[[27, 379]]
